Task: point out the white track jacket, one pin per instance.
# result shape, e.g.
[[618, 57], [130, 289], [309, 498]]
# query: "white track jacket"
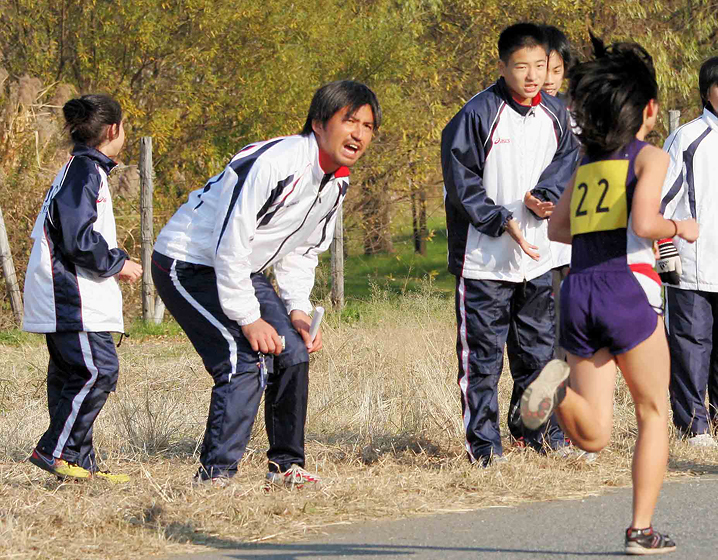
[[690, 191], [493, 152], [70, 284], [273, 205]]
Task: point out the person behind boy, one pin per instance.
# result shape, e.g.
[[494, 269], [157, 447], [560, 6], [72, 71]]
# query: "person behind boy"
[[71, 290], [692, 296], [275, 204], [560, 59], [506, 156]]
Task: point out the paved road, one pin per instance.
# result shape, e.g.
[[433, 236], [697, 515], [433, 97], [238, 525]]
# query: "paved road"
[[592, 527]]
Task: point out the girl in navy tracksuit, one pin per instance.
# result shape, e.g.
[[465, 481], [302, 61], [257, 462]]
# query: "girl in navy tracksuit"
[[71, 290], [610, 214]]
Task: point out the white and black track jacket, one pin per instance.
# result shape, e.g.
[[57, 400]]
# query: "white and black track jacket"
[[689, 191], [70, 283], [273, 205], [493, 152]]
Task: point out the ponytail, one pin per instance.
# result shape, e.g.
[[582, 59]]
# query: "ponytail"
[[87, 117]]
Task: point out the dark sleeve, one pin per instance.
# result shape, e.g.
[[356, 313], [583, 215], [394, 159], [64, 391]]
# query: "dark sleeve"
[[73, 212], [462, 162], [556, 176]]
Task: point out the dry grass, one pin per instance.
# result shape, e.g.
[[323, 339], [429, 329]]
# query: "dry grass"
[[384, 432]]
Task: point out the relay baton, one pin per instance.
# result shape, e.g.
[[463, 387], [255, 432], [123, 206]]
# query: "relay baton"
[[316, 321]]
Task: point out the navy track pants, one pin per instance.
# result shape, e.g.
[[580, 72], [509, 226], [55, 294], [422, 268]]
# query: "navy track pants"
[[489, 315], [189, 292], [82, 372], [692, 339]]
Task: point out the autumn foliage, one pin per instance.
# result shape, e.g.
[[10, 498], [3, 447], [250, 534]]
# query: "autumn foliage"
[[204, 78]]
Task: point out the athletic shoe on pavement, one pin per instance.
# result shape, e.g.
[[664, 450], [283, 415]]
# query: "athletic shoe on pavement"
[[544, 394], [112, 478], [294, 477], [702, 440], [58, 467], [647, 541]]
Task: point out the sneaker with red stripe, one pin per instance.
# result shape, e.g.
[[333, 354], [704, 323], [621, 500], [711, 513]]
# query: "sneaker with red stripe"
[[294, 477]]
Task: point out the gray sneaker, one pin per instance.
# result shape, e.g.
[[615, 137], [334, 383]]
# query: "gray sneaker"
[[573, 453], [215, 482], [702, 440]]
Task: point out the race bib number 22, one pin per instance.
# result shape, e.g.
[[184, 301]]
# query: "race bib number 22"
[[598, 201]]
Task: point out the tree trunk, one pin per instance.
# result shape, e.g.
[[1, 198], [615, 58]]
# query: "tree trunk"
[[337, 254], [377, 220], [416, 236], [423, 230], [418, 220]]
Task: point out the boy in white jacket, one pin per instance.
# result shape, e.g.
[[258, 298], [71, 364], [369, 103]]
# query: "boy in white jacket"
[[506, 157], [692, 295]]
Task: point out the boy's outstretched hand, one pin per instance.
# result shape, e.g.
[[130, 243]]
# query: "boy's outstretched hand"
[[131, 271], [687, 229], [541, 209], [513, 229], [301, 322]]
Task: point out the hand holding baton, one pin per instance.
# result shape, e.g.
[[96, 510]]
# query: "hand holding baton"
[[316, 321]]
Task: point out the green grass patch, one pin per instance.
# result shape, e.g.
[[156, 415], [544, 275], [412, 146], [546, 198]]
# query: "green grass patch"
[[397, 273], [16, 337], [140, 330]]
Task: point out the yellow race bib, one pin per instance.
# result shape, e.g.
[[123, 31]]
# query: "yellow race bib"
[[598, 201]]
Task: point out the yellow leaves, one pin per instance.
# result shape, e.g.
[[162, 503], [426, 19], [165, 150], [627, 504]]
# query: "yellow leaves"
[[208, 76]]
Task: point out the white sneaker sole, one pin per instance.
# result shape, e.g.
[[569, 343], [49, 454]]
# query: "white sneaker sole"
[[537, 402], [638, 550]]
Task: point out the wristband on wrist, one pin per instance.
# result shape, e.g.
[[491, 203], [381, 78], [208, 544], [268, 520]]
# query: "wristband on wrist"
[[675, 225]]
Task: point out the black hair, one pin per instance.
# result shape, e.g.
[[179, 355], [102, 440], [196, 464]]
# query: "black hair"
[[708, 77], [334, 96], [520, 36], [607, 95], [557, 41], [86, 118]]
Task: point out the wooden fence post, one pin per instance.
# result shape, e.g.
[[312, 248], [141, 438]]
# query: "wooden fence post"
[[8, 269], [674, 121], [337, 254], [147, 236], [159, 310]]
